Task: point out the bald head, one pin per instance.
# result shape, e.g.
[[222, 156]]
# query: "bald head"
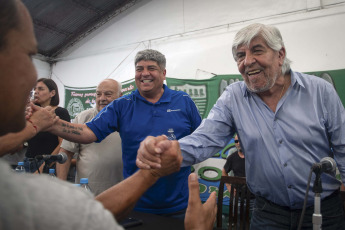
[[107, 91]]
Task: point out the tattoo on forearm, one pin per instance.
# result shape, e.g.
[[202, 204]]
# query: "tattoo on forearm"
[[69, 128]]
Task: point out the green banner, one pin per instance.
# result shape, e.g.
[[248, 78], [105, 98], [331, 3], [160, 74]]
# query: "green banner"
[[128, 86], [79, 99], [203, 92]]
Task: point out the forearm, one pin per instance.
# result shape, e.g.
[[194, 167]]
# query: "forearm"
[[224, 173], [11, 141], [121, 198], [79, 133], [62, 169]]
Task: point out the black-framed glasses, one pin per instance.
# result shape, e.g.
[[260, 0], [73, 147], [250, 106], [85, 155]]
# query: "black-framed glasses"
[[236, 141]]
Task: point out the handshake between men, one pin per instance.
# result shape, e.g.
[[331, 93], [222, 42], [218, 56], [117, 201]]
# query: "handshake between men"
[[152, 155]]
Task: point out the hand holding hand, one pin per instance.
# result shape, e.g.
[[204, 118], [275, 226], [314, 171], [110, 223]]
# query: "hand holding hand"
[[199, 216], [43, 118], [171, 158], [150, 150]]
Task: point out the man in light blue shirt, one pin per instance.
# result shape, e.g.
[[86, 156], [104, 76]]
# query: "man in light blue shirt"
[[286, 121]]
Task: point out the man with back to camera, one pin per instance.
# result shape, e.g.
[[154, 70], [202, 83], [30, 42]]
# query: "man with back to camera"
[[36, 202], [101, 162], [152, 109], [286, 121]]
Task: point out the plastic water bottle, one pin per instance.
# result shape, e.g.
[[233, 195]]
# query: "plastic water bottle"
[[84, 184], [20, 168], [52, 173], [171, 134]]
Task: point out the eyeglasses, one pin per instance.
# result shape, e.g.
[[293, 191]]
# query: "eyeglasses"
[[236, 141]]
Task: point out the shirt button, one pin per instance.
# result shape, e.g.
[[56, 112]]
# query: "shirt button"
[[285, 165], [280, 141], [289, 186]]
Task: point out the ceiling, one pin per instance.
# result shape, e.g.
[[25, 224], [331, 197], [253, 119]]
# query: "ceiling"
[[59, 24]]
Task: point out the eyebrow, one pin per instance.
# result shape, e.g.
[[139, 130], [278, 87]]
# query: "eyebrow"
[[258, 46]]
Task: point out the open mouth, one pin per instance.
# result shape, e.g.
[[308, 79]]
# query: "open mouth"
[[254, 72], [146, 81]]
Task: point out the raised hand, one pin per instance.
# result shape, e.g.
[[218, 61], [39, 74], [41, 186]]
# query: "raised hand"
[[199, 216]]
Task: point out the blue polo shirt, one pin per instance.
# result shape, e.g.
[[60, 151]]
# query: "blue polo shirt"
[[135, 118]]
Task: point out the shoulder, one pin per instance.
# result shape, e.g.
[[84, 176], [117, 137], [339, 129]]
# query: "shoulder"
[[85, 116], [179, 95], [233, 156], [312, 81], [51, 192]]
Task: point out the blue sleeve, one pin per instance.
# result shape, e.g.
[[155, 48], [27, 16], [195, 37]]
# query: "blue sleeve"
[[105, 122]]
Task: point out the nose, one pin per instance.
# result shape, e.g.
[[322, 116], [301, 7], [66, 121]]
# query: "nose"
[[249, 59], [145, 72], [102, 97]]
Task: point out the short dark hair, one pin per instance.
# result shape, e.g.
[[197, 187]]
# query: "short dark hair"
[[51, 86], [9, 19]]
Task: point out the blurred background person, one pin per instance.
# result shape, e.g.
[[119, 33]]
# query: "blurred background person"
[[100, 162], [45, 143], [235, 163]]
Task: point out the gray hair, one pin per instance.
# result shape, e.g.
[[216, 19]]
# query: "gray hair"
[[151, 55], [270, 34], [9, 19]]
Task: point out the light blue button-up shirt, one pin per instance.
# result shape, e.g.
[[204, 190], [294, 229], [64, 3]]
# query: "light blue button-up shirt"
[[280, 147]]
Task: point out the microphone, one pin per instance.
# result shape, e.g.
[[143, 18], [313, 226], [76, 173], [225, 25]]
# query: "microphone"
[[60, 158], [327, 165]]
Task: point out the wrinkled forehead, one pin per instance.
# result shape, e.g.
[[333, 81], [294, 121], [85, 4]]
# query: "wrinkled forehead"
[[256, 40]]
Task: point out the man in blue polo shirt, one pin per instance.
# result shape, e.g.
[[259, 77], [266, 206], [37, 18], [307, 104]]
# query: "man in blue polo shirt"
[[151, 110]]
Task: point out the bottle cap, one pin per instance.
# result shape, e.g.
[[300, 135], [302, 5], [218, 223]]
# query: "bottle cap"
[[84, 180]]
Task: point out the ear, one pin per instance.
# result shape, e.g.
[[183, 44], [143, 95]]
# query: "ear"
[[52, 93], [281, 55], [164, 73]]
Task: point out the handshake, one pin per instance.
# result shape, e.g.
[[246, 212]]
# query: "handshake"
[[162, 157], [40, 118]]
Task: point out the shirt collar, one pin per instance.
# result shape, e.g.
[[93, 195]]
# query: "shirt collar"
[[166, 97]]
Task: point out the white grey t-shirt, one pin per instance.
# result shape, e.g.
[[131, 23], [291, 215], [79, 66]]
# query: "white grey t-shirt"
[[38, 202]]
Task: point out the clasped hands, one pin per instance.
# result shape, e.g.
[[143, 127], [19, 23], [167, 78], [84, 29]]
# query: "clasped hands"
[[41, 118], [153, 154]]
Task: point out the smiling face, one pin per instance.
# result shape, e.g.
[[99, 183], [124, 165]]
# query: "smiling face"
[[149, 79], [17, 72], [106, 92], [42, 94], [259, 65]]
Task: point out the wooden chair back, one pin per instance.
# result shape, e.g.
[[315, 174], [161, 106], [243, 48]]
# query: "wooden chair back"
[[342, 195], [239, 194]]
